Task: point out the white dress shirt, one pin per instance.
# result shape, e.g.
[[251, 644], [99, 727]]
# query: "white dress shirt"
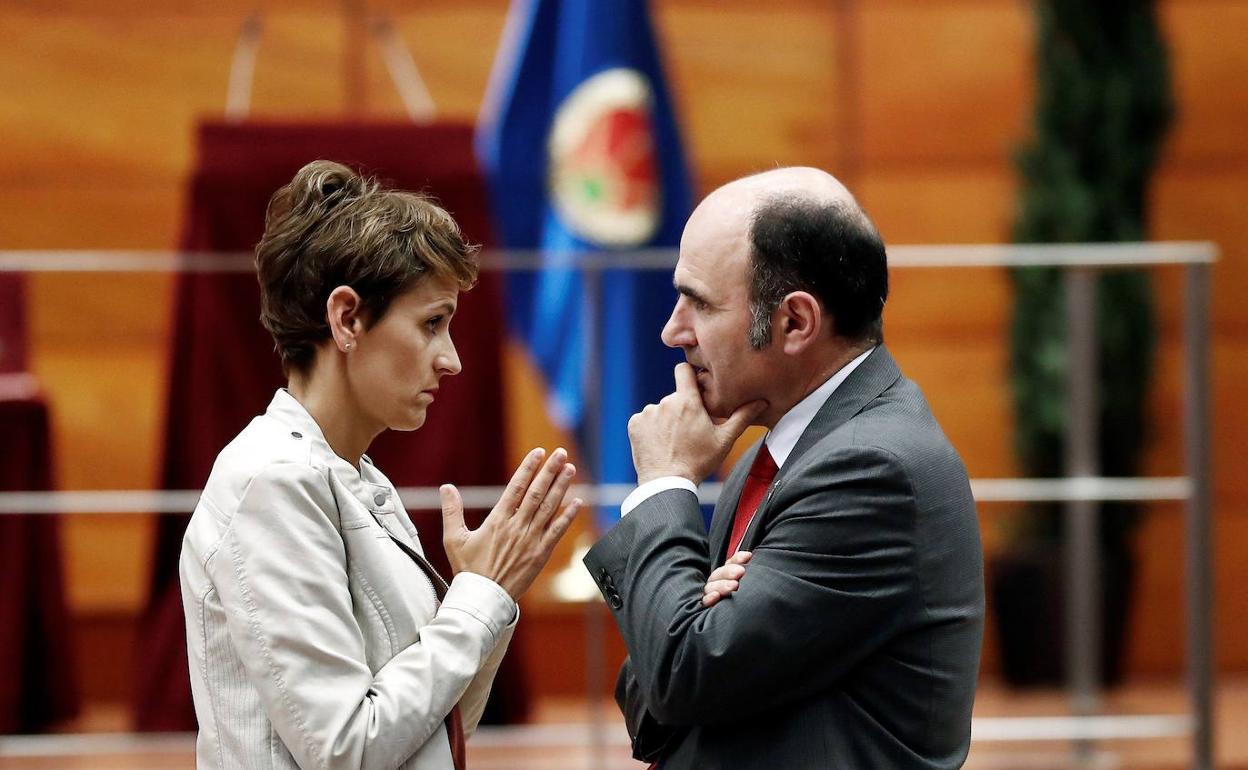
[[780, 440]]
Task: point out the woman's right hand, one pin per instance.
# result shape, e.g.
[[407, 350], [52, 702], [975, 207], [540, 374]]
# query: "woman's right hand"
[[517, 538]]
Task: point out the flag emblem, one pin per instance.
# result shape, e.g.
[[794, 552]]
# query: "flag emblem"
[[603, 175]]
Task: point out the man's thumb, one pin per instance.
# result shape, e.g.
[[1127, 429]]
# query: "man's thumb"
[[744, 416], [453, 527]]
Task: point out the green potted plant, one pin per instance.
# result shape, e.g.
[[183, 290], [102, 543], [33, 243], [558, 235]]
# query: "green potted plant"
[[1102, 110]]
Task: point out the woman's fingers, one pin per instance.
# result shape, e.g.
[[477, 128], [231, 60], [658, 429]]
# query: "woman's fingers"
[[454, 530], [539, 487], [560, 524], [513, 493], [554, 498]]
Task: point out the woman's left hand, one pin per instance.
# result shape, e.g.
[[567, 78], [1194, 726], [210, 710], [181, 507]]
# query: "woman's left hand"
[[518, 536]]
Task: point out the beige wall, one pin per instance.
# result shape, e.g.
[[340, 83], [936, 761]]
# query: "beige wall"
[[917, 103]]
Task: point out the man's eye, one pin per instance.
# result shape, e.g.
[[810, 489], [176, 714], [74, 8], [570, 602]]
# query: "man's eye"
[[434, 323]]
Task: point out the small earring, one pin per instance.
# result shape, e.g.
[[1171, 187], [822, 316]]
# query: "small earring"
[[349, 346]]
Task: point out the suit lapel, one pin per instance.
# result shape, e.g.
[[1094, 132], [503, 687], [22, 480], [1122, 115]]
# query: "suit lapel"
[[726, 504], [876, 374]]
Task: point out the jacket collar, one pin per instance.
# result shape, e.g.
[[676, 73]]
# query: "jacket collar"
[[874, 375], [365, 483], [789, 428]]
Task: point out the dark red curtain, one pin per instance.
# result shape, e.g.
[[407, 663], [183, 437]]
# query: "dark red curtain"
[[224, 370], [12, 323], [37, 686]]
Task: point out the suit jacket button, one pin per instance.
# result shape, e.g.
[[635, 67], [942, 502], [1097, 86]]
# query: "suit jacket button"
[[380, 498], [614, 600]]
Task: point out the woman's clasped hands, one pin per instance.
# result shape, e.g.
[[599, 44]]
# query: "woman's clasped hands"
[[518, 536]]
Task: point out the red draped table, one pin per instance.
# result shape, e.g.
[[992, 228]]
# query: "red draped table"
[[37, 686]]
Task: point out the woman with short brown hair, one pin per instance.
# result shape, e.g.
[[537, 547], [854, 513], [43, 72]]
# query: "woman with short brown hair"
[[318, 634]]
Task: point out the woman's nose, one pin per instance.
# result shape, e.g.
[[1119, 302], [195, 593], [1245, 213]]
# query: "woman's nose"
[[448, 362]]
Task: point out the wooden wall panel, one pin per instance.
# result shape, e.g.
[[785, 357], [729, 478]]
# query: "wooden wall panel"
[[107, 98], [943, 82], [940, 205], [754, 88], [107, 410], [1157, 637], [453, 46], [1198, 203], [1209, 61], [88, 212]]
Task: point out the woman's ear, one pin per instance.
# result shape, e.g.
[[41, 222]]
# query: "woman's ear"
[[343, 313], [800, 319]]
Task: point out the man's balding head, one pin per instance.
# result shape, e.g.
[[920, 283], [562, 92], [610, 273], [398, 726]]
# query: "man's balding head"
[[801, 229], [812, 183]]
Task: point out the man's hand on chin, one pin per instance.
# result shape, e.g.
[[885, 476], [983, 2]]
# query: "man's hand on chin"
[[676, 437]]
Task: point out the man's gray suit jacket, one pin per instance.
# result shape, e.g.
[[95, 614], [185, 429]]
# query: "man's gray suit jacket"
[[853, 641]]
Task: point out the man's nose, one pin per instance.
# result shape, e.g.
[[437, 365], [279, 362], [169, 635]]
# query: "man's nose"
[[676, 333]]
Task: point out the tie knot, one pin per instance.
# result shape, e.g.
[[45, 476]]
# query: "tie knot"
[[764, 467]]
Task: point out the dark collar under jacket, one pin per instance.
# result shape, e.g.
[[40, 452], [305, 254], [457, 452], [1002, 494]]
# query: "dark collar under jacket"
[[874, 375]]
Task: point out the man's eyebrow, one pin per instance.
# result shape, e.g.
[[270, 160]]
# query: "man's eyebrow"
[[691, 293], [445, 308]]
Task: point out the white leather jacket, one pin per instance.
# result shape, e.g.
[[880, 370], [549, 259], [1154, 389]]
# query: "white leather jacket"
[[315, 641]]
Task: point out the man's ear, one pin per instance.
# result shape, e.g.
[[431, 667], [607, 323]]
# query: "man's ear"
[[343, 312], [799, 319]]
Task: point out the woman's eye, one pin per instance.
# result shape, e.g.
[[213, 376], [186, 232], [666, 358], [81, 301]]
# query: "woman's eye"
[[434, 323]]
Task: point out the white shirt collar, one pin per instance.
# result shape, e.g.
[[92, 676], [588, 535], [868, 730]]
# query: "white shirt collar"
[[789, 428]]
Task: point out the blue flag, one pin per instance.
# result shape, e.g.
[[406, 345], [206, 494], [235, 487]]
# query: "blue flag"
[[581, 152]]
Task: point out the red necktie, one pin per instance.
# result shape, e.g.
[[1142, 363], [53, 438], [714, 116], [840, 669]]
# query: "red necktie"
[[762, 472]]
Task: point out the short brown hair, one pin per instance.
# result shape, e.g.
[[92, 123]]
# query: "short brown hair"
[[333, 227]]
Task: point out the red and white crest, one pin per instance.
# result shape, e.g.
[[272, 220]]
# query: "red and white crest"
[[603, 173]]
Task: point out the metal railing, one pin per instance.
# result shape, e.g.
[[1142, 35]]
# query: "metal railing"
[[1082, 488]]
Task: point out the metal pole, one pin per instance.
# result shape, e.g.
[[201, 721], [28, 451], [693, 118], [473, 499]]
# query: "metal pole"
[[1082, 553], [354, 68], [243, 69], [404, 72], [1199, 540], [595, 633]]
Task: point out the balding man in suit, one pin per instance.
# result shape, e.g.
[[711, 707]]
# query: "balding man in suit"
[[832, 617]]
